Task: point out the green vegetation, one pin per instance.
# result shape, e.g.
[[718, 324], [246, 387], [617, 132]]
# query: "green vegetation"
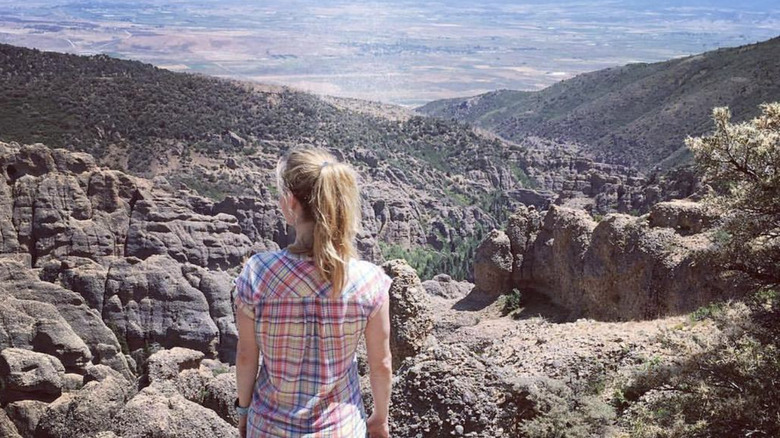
[[117, 109], [573, 409], [511, 302], [727, 381], [632, 114], [706, 312], [742, 161], [522, 177]]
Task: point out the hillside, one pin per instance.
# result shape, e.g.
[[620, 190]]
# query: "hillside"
[[431, 188], [636, 114]]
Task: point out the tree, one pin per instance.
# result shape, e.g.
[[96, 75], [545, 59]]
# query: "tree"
[[742, 162]]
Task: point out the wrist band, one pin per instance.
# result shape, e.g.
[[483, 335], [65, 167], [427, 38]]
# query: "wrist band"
[[241, 411]]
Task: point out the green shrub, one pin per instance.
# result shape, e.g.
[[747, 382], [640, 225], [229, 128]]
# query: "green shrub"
[[512, 302]]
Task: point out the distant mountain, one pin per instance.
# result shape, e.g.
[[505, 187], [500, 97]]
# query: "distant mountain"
[[430, 186], [637, 114]]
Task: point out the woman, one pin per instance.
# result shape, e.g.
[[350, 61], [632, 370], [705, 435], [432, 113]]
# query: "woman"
[[305, 309]]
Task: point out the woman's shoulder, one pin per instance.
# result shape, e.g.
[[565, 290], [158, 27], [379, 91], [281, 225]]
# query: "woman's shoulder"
[[368, 273], [261, 261]]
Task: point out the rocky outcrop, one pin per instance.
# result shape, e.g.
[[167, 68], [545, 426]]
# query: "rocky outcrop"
[[161, 411], [521, 229], [685, 217], [167, 225], [86, 412], [442, 285], [448, 391], [151, 301], [493, 265], [623, 267], [411, 321], [259, 220], [25, 374]]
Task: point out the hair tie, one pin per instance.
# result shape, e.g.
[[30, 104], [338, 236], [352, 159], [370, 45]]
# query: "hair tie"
[[325, 163]]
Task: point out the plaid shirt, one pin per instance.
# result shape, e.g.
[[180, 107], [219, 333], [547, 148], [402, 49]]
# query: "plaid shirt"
[[308, 381]]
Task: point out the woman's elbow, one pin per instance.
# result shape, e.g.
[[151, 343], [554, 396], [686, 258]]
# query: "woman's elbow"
[[383, 366], [246, 355]]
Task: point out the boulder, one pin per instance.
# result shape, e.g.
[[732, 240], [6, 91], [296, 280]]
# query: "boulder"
[[411, 319], [85, 412], [448, 391], [166, 365], [7, 427], [685, 217], [221, 395], [160, 411], [26, 374], [151, 301], [38, 326], [442, 285], [493, 265], [25, 414]]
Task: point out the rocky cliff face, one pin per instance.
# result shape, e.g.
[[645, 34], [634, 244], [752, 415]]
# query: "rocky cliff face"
[[622, 267]]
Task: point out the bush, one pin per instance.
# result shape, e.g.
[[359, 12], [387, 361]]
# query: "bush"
[[742, 162], [568, 410], [727, 385], [513, 302]]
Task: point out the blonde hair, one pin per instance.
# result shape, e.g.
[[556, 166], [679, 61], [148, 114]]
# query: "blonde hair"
[[328, 192]]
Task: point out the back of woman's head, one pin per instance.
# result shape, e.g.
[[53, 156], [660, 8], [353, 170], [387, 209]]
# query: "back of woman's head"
[[328, 193]]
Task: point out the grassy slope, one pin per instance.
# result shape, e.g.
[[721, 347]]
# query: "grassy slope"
[[637, 114], [95, 103]]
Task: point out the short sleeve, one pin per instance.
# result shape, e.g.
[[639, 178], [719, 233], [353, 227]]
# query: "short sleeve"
[[381, 293], [246, 286]]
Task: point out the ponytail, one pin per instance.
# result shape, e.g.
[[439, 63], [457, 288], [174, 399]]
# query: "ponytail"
[[328, 191]]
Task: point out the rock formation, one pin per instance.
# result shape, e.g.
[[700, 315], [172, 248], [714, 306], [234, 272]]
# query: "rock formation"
[[410, 316], [622, 267]]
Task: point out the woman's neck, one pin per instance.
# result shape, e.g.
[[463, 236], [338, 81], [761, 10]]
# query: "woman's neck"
[[304, 237]]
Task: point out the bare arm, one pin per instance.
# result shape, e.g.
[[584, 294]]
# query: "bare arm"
[[380, 365], [247, 358]]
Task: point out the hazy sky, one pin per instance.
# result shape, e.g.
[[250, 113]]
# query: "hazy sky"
[[404, 52]]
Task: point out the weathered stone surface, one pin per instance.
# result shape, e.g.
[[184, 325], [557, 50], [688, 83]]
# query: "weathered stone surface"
[[260, 220], [493, 265], [86, 412], [442, 285], [215, 286], [26, 374], [152, 301], [685, 217], [447, 391], [81, 275], [38, 326], [411, 320], [7, 428], [85, 322], [165, 224], [220, 396], [522, 227], [25, 414], [558, 254], [621, 268], [160, 411], [167, 364]]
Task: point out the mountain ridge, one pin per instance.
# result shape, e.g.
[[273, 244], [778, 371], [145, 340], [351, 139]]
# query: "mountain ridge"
[[634, 114]]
